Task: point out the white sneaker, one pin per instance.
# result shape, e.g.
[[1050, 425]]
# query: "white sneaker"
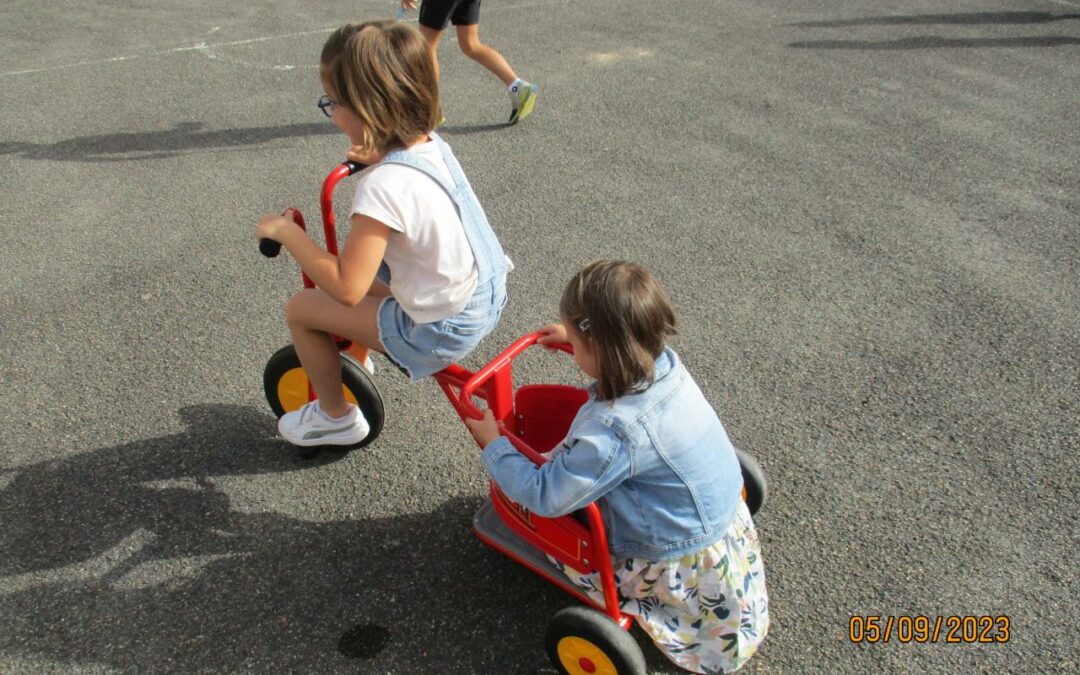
[[309, 426]]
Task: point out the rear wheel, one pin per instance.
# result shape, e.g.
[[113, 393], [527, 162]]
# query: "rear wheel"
[[755, 489], [583, 641], [286, 386]]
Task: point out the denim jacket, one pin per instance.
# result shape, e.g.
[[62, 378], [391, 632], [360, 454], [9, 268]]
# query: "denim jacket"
[[659, 462]]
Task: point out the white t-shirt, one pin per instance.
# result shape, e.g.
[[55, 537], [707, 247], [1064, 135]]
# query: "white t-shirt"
[[432, 267]]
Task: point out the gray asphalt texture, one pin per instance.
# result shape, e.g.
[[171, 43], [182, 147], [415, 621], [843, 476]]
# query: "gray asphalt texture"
[[867, 215]]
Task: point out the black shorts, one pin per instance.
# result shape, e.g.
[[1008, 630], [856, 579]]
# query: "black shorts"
[[436, 14]]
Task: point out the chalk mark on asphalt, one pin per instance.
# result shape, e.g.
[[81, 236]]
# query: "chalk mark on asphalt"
[[199, 47], [208, 48]]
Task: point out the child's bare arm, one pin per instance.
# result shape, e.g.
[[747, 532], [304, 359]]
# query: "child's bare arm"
[[346, 277]]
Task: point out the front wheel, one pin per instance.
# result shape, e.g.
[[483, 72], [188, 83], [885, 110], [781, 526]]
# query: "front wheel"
[[581, 640], [755, 489], [286, 386]]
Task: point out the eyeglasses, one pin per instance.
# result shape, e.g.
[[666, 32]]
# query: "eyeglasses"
[[326, 105]]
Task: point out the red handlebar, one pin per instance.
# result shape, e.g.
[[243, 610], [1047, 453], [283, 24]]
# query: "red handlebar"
[[270, 248], [326, 201], [497, 364]]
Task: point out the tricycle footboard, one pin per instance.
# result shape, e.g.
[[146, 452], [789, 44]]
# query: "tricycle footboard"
[[491, 530], [565, 539]]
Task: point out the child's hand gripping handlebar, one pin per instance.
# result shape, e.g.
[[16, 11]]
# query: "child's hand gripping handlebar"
[[271, 248]]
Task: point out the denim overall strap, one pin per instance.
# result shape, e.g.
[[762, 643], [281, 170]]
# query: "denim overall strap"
[[490, 259]]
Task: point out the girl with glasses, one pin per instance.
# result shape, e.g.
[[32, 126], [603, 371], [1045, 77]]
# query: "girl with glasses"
[[421, 276]]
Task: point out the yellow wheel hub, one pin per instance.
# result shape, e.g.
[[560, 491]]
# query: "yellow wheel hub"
[[581, 657], [292, 390]]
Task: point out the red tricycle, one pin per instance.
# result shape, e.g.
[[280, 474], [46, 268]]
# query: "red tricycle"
[[535, 417]]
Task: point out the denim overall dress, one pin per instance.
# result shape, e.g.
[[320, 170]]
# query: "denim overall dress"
[[426, 348]]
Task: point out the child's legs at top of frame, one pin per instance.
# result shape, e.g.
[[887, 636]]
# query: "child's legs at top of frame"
[[469, 41], [432, 36], [438, 14], [522, 93], [313, 318], [434, 17]]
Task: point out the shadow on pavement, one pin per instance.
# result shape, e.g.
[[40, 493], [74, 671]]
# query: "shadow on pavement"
[[968, 19], [463, 130], [133, 558], [937, 42], [184, 138], [933, 42]]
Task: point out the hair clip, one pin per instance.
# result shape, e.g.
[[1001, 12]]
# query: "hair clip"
[[583, 325]]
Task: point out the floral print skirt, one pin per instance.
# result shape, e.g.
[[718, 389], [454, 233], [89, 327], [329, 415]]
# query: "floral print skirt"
[[707, 611]]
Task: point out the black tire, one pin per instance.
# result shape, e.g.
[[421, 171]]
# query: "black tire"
[[753, 481], [584, 627], [355, 378]]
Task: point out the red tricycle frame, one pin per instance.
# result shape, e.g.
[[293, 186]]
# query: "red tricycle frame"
[[534, 420]]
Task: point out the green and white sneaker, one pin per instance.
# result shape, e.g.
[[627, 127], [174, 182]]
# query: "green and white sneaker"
[[522, 99]]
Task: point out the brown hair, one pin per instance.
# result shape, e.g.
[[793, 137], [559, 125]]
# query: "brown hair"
[[625, 315], [382, 71]]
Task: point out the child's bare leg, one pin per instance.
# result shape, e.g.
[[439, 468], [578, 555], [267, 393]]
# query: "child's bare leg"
[[469, 40], [358, 351], [313, 318], [432, 36]]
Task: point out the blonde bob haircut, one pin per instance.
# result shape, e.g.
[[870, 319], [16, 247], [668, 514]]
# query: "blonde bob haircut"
[[623, 313], [382, 71]]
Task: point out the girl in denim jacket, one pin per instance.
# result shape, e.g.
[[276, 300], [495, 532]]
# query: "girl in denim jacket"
[[421, 276], [651, 451]]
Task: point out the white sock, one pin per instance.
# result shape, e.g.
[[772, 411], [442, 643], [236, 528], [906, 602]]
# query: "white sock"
[[338, 420], [513, 88]]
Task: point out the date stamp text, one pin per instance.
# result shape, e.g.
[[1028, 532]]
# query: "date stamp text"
[[921, 629]]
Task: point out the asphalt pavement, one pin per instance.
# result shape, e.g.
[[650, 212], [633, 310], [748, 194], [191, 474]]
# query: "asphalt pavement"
[[867, 214]]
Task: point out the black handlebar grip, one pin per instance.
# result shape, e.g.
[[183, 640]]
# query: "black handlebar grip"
[[269, 247]]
